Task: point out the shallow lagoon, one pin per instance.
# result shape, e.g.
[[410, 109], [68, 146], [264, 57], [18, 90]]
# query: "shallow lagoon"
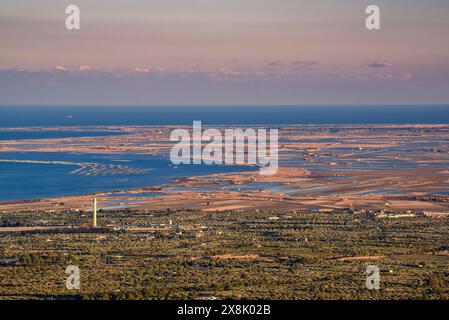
[[21, 181]]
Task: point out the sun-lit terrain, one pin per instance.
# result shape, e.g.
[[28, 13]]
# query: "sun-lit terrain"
[[191, 254], [360, 167], [344, 197]]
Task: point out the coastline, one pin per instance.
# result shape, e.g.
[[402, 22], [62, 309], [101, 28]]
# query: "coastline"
[[365, 167]]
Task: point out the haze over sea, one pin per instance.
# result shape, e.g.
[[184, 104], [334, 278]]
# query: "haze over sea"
[[20, 116]]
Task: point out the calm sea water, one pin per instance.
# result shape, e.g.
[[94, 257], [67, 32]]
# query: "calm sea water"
[[59, 116], [30, 135], [20, 181]]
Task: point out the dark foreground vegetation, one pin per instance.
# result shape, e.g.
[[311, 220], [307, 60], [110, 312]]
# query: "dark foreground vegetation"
[[235, 255]]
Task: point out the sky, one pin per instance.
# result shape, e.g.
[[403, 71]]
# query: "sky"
[[224, 52]]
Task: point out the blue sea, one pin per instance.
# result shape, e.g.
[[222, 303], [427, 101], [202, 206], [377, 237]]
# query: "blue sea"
[[30, 135], [23, 181], [85, 116], [38, 179]]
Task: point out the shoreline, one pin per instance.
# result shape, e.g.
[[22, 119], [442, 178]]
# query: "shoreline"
[[374, 167]]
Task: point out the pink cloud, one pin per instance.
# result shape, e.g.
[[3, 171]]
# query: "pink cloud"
[[228, 72], [61, 68], [403, 76], [142, 70], [85, 68]]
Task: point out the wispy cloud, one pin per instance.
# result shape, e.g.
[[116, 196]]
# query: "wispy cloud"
[[305, 63], [229, 72], [275, 63], [85, 68], [71, 69], [378, 64], [141, 70], [221, 86], [61, 68], [401, 76]]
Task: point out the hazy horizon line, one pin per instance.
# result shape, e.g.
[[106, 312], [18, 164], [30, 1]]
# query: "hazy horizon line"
[[235, 105]]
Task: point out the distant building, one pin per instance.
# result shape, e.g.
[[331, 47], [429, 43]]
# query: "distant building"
[[435, 214]]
